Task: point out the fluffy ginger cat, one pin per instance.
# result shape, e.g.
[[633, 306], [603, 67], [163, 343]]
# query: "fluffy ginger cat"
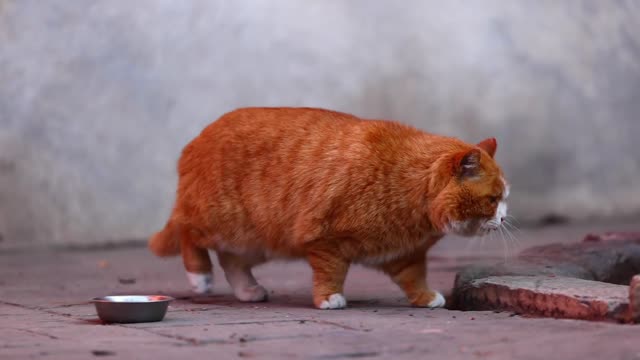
[[331, 188]]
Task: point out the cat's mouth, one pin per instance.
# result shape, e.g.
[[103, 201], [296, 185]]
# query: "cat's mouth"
[[470, 228], [486, 230]]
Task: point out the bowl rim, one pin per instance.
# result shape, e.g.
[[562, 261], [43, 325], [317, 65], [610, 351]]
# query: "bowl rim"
[[150, 299]]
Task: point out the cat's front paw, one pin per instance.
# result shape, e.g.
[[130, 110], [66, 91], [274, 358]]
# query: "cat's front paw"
[[438, 301], [334, 301], [429, 299]]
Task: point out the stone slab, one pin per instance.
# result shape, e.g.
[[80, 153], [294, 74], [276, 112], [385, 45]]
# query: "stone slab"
[[586, 280], [561, 297], [634, 298]]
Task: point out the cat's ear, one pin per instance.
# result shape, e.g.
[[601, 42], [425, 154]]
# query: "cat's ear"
[[489, 145], [468, 163]]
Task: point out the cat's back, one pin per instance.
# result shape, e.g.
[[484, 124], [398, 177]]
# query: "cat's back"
[[257, 122], [255, 132]]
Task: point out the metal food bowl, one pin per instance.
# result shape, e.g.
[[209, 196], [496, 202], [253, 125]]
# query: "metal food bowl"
[[132, 308]]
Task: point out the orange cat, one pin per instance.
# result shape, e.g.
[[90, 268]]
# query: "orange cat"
[[328, 187]]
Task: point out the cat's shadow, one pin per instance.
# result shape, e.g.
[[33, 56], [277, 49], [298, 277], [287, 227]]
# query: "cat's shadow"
[[185, 301], [290, 301]]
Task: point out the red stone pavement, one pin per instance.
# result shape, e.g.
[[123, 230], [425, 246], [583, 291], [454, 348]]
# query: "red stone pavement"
[[44, 313]]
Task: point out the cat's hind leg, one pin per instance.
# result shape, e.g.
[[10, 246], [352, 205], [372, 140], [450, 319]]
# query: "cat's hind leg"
[[197, 263], [329, 273], [237, 270]]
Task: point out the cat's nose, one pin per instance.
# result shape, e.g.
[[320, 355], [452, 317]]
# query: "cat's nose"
[[502, 219]]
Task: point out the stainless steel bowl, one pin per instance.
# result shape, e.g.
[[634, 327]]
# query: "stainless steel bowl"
[[132, 308]]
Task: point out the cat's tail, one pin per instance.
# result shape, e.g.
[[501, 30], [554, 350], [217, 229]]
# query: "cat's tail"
[[166, 242]]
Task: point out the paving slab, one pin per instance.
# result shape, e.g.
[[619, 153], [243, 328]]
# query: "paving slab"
[[582, 280], [45, 314], [549, 296], [634, 298]]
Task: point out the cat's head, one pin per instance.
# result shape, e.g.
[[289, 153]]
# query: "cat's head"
[[473, 202]]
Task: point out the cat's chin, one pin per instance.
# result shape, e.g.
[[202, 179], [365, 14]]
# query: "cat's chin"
[[468, 234], [463, 228], [483, 231]]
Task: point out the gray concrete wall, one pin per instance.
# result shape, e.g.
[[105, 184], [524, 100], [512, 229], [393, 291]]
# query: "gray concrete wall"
[[97, 98]]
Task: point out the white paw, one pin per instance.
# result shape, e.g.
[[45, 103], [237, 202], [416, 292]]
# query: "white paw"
[[200, 283], [255, 293], [437, 302], [335, 301]]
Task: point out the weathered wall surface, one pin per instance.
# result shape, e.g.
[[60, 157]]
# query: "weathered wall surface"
[[98, 97]]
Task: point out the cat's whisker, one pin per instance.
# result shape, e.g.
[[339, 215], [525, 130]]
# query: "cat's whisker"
[[513, 227], [508, 223], [512, 220], [509, 229], [514, 244], [513, 239], [510, 244], [513, 231], [504, 245]]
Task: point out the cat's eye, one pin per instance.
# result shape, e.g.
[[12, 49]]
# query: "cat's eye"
[[494, 199]]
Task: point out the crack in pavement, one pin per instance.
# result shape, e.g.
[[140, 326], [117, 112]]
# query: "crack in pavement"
[[301, 321], [346, 327], [351, 355], [37, 333], [188, 340], [35, 308], [261, 322], [231, 341]]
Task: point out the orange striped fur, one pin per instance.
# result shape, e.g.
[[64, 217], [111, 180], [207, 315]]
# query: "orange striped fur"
[[328, 187]]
